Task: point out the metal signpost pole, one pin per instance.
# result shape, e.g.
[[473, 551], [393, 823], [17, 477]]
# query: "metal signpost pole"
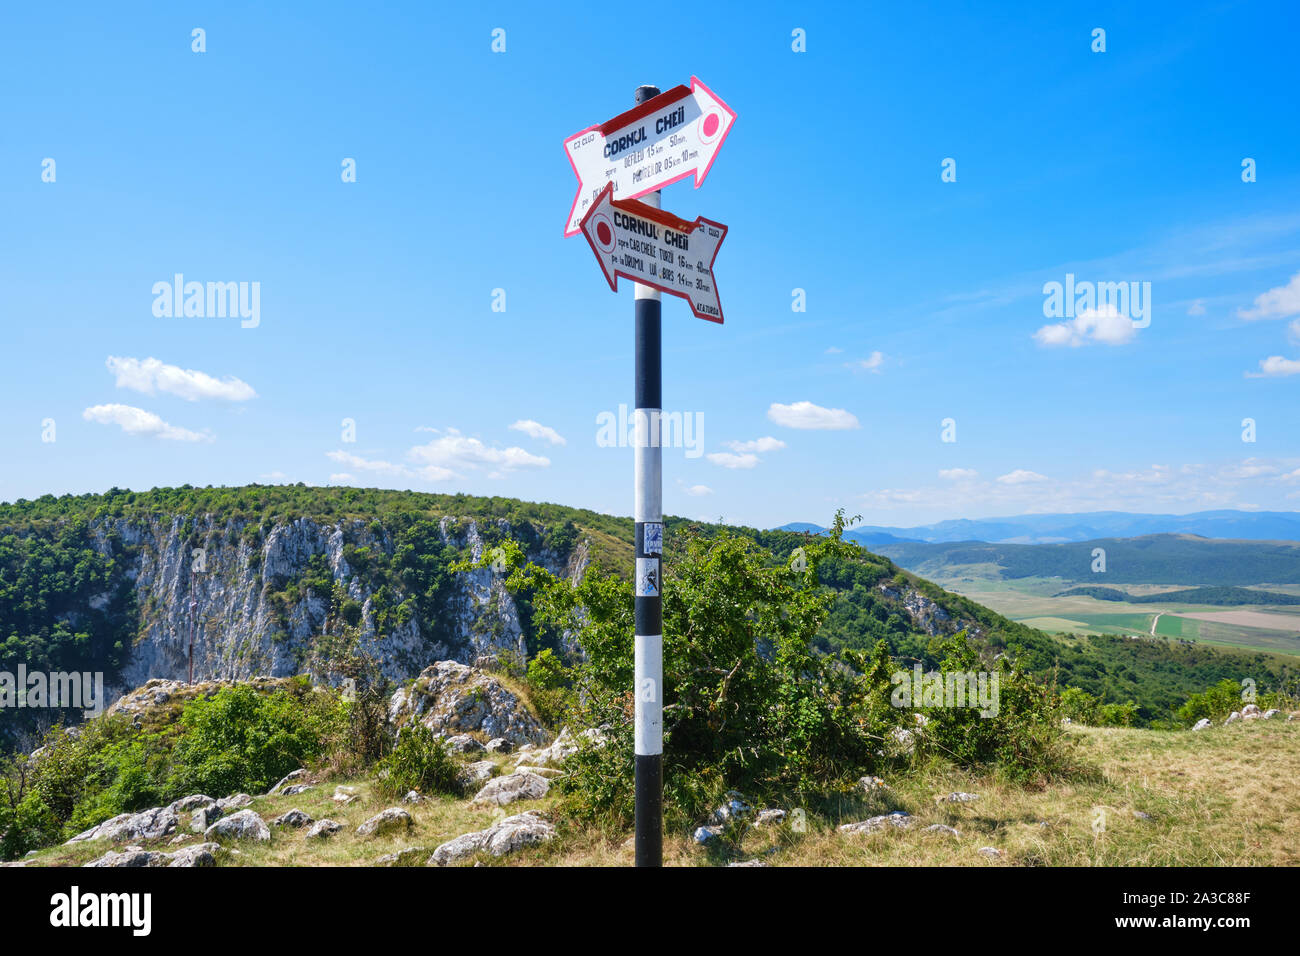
[[648, 518]]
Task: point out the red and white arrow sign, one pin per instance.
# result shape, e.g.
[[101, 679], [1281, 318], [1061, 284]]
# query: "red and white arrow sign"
[[665, 139], [654, 247]]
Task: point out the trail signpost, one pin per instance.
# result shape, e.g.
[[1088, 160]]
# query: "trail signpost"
[[655, 248], [665, 137]]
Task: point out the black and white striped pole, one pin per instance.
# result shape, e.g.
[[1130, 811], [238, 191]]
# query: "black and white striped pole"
[[649, 536]]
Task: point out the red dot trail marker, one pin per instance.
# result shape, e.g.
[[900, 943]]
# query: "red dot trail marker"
[[647, 245], [668, 137]]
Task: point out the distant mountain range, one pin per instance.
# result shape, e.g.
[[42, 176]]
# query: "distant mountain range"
[[1089, 526]]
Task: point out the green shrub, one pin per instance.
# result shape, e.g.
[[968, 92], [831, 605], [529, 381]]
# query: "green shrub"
[[420, 762]]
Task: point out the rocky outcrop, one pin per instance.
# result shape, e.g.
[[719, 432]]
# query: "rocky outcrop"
[[504, 836], [453, 699], [249, 623]]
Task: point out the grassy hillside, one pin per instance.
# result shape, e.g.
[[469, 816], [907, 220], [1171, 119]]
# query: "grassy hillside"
[[1204, 801]]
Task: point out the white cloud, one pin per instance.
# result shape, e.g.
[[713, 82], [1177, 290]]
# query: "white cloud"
[[1020, 477], [1105, 326], [341, 478], [537, 430], [454, 450], [809, 416], [834, 350], [958, 474], [1276, 303], [136, 421], [151, 375], [1197, 307], [1293, 331], [394, 469], [1275, 366], [727, 460], [699, 491], [767, 443], [870, 364]]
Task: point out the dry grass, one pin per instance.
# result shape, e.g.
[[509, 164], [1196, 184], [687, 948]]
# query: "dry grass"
[[1223, 796]]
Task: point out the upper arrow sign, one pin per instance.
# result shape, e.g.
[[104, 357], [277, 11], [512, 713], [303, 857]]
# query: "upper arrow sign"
[[656, 248], [665, 139]]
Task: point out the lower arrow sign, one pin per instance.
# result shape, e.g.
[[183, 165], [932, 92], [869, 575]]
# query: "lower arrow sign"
[[653, 247]]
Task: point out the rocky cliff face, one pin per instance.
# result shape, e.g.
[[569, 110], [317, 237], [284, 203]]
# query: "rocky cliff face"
[[242, 629]]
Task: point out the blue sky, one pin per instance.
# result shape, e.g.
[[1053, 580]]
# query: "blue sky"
[[924, 299]]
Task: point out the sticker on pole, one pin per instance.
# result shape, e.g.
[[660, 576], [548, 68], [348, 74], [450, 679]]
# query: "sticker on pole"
[[647, 577], [668, 137], [655, 248], [652, 538]]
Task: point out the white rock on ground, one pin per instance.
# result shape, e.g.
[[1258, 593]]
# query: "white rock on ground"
[[201, 854], [286, 780], [1202, 723], [520, 785], [146, 825], [241, 825], [386, 821], [323, 829], [958, 797], [504, 836], [942, 828], [234, 802], [293, 818], [1232, 718], [900, 819]]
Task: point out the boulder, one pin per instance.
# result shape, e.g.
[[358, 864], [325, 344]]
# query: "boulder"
[[958, 797], [899, 819], [293, 818], [1232, 718], [145, 825], [201, 854], [942, 828], [476, 773], [286, 780], [463, 744], [1271, 713], [323, 830], [754, 862], [520, 785], [204, 817], [386, 821], [1249, 710], [241, 825], [296, 788], [499, 745], [504, 836], [990, 851], [191, 803], [234, 802], [1202, 723], [344, 795], [452, 698]]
